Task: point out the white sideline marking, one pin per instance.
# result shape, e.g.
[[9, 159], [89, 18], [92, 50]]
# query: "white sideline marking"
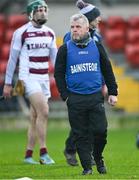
[[24, 178]]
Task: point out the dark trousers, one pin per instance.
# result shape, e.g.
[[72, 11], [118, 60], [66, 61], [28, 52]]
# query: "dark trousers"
[[70, 143], [88, 124]]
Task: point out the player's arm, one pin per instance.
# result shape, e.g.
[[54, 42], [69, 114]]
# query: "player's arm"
[[11, 65], [53, 50], [7, 90]]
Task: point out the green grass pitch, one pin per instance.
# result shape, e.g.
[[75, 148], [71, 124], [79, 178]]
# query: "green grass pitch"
[[121, 156]]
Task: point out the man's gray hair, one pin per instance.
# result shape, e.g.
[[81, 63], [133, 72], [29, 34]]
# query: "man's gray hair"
[[79, 16]]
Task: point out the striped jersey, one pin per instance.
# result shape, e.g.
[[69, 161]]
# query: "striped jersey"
[[35, 46]]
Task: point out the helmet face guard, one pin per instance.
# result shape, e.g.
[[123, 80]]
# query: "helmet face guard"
[[33, 6]]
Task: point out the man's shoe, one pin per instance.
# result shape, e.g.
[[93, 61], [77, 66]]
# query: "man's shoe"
[[71, 159], [87, 172], [46, 159], [101, 168], [30, 160]]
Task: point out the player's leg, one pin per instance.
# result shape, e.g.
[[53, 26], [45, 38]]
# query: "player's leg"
[[40, 104], [31, 137], [32, 129]]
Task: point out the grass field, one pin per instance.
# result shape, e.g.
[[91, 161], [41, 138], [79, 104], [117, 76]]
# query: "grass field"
[[121, 156]]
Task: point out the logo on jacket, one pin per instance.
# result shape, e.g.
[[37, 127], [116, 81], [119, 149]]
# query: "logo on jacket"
[[83, 52], [83, 67]]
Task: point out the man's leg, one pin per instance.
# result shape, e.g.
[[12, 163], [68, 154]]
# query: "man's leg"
[[31, 137], [70, 150], [98, 132], [78, 117], [99, 145], [70, 144], [40, 104]]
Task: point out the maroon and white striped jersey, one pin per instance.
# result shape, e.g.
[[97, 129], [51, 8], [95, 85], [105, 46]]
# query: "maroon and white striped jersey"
[[34, 47]]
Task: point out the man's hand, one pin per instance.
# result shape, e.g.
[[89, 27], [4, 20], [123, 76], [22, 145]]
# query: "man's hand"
[[7, 91], [18, 90], [112, 100]]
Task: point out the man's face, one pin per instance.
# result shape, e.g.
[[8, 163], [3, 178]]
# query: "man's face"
[[94, 24], [78, 29], [41, 15]]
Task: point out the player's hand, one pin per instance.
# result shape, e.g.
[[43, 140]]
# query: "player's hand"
[[7, 91], [112, 100]]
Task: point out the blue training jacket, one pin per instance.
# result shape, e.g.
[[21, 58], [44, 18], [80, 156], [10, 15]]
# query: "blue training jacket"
[[94, 35]]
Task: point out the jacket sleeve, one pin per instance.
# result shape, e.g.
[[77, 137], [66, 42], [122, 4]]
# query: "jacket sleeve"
[[60, 72], [107, 71]]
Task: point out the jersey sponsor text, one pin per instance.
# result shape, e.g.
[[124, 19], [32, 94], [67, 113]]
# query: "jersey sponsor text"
[[37, 46]]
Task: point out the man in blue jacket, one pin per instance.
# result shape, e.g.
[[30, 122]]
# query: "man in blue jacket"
[[80, 65], [93, 15]]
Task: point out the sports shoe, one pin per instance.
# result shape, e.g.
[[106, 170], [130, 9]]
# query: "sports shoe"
[[46, 159], [30, 160], [71, 159], [87, 172], [101, 168]]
